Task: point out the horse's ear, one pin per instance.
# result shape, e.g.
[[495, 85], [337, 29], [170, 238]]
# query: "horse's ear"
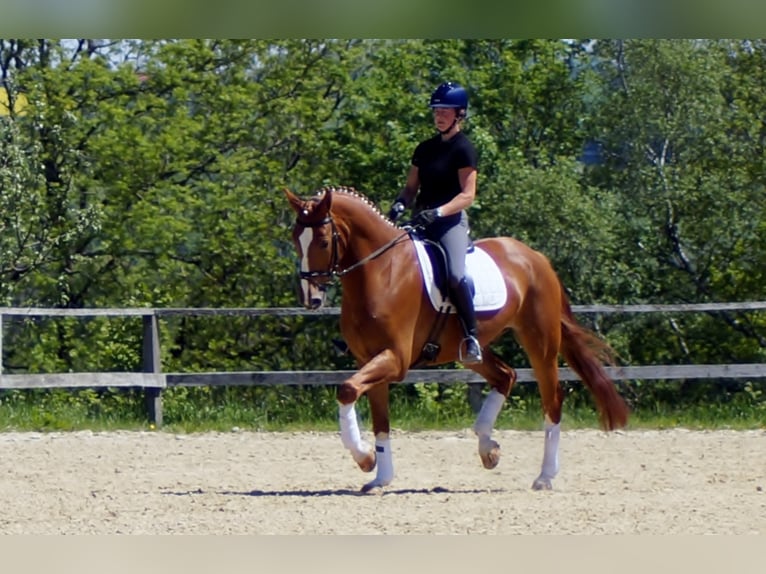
[[295, 202], [326, 201]]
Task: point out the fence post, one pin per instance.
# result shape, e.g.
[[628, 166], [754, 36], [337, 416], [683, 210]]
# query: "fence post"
[[151, 364]]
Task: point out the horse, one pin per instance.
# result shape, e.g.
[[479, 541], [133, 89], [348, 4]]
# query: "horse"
[[386, 318]]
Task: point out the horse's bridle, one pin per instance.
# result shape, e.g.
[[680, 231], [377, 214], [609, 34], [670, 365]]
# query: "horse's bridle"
[[333, 270]]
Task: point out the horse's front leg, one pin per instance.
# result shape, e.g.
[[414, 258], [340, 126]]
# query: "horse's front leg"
[[383, 368], [381, 428], [352, 438]]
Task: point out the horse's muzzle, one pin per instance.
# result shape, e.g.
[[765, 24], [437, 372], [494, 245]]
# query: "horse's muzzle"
[[316, 302], [313, 295]]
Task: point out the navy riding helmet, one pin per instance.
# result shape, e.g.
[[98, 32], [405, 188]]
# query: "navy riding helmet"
[[449, 95]]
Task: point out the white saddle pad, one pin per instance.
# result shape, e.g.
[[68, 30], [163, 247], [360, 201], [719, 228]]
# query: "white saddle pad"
[[491, 293]]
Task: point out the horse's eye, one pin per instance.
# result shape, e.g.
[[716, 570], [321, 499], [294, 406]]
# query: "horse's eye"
[[324, 244]]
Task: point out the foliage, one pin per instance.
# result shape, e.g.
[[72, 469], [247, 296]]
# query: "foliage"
[[149, 173]]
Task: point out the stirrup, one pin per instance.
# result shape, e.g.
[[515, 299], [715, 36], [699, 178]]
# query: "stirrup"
[[469, 358]]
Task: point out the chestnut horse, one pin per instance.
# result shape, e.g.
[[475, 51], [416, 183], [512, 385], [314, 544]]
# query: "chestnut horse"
[[386, 318]]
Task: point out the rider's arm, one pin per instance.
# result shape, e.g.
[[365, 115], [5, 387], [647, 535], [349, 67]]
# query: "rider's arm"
[[407, 195], [464, 199]]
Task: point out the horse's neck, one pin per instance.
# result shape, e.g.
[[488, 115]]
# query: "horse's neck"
[[385, 267], [365, 229]]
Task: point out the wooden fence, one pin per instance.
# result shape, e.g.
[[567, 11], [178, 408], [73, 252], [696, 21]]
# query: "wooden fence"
[[152, 380]]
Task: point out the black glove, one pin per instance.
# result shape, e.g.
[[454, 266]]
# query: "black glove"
[[427, 216], [396, 210]]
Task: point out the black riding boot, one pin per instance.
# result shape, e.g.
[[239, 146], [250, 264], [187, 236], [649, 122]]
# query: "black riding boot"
[[463, 300]]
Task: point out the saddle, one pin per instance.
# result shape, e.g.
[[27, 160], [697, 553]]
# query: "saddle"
[[484, 277], [483, 274]]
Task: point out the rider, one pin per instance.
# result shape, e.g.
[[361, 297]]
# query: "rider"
[[443, 170]]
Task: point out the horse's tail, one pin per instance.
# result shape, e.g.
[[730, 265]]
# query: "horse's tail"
[[586, 354]]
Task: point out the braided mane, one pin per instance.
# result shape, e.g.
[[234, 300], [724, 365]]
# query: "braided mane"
[[352, 192]]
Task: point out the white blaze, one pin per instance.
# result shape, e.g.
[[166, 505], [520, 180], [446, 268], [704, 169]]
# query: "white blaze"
[[305, 240]]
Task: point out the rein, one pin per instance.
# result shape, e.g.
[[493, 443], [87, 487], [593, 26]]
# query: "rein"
[[378, 252], [333, 271]]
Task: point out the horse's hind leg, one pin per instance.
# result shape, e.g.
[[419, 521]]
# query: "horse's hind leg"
[[501, 377], [545, 365], [552, 397]]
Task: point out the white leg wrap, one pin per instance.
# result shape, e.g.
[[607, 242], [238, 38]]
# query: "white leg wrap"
[[385, 462], [551, 452], [485, 422], [349, 430]]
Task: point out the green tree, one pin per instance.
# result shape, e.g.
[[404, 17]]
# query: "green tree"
[[681, 171], [149, 173]]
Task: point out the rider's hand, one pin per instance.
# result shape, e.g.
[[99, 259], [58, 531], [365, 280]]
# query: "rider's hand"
[[427, 216], [396, 211]]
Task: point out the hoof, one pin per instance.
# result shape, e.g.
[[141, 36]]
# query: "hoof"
[[541, 483], [372, 488], [368, 462], [376, 486], [489, 451]]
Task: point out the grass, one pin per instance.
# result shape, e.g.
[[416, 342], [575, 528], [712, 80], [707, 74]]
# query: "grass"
[[413, 408]]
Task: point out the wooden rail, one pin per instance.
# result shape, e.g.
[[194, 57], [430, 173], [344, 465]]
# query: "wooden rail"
[[152, 380]]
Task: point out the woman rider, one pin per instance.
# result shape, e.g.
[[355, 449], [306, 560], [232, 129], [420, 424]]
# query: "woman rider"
[[442, 183]]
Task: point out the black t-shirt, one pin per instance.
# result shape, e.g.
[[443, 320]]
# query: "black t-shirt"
[[438, 163]]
